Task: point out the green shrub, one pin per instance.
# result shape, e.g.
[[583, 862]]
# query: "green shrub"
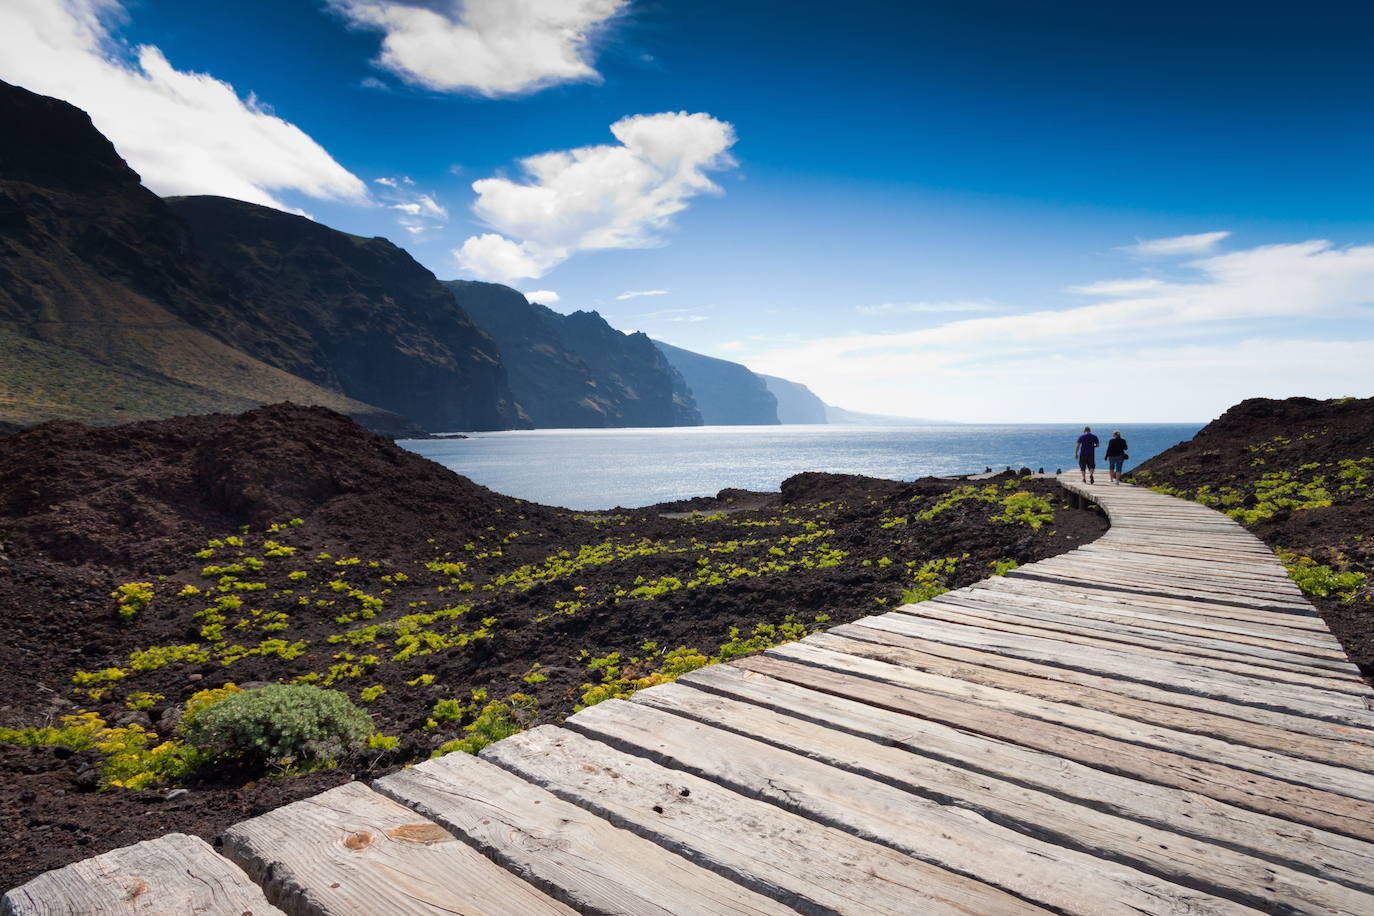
[[281, 724]]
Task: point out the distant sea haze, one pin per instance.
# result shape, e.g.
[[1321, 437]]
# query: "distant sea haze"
[[588, 469]]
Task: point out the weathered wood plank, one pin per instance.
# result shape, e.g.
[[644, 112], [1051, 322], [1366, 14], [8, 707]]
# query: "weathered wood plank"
[[175, 873], [710, 692], [1182, 712], [1294, 628], [1177, 677], [353, 851], [783, 855], [1339, 780], [1307, 651], [957, 608], [1160, 591], [928, 819], [571, 854], [1143, 631], [1151, 763]]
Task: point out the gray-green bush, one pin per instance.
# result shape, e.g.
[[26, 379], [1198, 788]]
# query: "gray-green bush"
[[281, 724]]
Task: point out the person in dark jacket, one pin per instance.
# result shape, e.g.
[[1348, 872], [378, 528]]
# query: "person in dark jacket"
[[1085, 450], [1116, 456]]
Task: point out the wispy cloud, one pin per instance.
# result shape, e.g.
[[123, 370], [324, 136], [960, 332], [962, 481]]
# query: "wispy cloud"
[[635, 294], [418, 212], [1202, 243], [185, 133], [596, 197], [1118, 287], [542, 296], [679, 315], [731, 346], [908, 308], [486, 47], [1161, 351]]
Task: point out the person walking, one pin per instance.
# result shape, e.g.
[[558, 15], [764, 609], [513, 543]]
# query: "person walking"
[[1116, 456], [1085, 450]]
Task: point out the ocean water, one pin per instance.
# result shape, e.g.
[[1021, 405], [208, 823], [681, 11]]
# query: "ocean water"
[[604, 468]]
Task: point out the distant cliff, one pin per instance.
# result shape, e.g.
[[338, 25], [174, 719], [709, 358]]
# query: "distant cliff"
[[576, 371], [796, 402], [96, 275], [356, 315], [727, 393]]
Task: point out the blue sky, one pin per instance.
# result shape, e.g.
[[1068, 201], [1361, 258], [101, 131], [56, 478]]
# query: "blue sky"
[[963, 210]]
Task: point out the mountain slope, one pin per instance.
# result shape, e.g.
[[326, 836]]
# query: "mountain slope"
[[91, 264], [355, 315], [576, 371], [796, 402], [727, 393]]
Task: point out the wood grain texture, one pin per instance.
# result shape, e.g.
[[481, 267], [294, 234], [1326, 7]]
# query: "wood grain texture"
[[353, 851], [790, 858], [570, 853], [173, 874]]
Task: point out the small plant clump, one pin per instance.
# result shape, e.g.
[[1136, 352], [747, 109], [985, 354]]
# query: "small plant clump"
[[281, 725]]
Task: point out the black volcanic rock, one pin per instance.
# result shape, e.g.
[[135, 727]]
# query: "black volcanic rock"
[[355, 315], [576, 371], [796, 402], [96, 275], [727, 393]]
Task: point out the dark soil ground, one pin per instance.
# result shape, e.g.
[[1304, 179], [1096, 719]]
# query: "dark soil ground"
[[496, 594], [1260, 457]]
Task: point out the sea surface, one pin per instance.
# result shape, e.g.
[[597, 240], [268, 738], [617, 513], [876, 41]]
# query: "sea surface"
[[604, 468]]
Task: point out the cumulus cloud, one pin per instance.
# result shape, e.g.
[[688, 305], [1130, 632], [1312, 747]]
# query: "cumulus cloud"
[[184, 133], [542, 296], [595, 197], [417, 212], [908, 308], [635, 294], [488, 47], [1202, 243], [1270, 320]]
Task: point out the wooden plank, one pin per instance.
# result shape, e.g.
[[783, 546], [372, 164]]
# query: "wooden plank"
[[353, 851], [711, 689], [1269, 653], [1173, 676], [1340, 780], [1294, 628], [1122, 698], [1161, 590], [924, 820], [1219, 581], [570, 854], [1152, 763], [783, 855], [175, 873], [1313, 652], [960, 609]]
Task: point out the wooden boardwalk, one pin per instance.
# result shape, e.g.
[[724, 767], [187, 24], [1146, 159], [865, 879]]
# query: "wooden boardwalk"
[[1157, 722]]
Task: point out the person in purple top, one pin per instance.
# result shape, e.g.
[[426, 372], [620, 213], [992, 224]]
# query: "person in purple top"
[[1085, 450]]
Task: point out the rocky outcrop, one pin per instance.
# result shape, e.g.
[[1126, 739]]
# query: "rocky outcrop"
[[796, 402], [576, 371], [727, 393]]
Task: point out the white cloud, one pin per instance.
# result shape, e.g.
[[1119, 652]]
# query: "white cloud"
[[1202, 243], [904, 308], [1118, 287], [634, 294], [1243, 326], [596, 197], [731, 346], [419, 212], [682, 315], [542, 296], [184, 133], [488, 47]]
